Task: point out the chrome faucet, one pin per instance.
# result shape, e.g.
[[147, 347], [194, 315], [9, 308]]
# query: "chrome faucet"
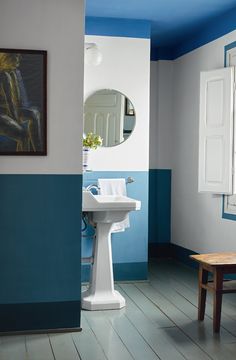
[[92, 186]]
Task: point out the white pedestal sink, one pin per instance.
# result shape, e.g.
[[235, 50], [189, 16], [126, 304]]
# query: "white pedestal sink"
[[104, 211]]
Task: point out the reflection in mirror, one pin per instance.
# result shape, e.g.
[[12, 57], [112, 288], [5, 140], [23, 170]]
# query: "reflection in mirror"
[[111, 115]]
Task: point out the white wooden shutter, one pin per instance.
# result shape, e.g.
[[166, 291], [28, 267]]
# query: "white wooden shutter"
[[216, 131]]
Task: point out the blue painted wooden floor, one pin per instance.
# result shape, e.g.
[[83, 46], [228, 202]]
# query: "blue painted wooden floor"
[[159, 322]]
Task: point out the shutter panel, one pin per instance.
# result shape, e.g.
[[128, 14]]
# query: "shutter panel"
[[216, 131]]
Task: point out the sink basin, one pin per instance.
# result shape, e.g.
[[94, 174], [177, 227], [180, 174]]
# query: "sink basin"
[[108, 202], [108, 208]]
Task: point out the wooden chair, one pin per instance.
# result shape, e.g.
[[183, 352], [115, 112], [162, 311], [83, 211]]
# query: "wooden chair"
[[218, 264]]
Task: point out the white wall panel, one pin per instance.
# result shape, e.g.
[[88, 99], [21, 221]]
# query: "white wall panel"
[[58, 27], [125, 67], [161, 114]]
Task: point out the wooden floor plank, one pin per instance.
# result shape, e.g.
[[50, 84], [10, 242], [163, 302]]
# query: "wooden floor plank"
[[84, 322], [189, 289], [111, 343], [63, 347], [154, 336], [136, 344], [13, 348], [185, 298], [38, 347], [172, 340], [88, 346], [185, 345], [200, 333], [150, 310], [191, 296]]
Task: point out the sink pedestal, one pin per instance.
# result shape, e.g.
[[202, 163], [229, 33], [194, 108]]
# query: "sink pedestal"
[[104, 210], [101, 294]]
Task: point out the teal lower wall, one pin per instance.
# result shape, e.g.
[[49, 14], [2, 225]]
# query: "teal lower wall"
[[122, 272], [176, 252], [40, 250], [159, 208], [129, 248]]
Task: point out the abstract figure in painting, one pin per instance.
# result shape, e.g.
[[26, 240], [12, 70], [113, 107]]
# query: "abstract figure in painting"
[[20, 121]]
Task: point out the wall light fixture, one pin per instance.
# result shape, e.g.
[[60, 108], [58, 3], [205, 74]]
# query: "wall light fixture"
[[92, 55]]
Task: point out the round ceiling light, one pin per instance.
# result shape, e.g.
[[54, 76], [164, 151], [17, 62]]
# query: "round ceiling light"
[[92, 55]]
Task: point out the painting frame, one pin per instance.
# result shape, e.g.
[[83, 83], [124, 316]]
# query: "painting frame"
[[23, 102]]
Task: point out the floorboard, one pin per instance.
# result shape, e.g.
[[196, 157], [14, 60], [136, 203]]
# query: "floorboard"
[[63, 347], [184, 281], [13, 347], [38, 347], [111, 343]]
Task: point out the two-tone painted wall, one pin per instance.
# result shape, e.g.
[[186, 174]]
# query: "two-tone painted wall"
[[197, 222], [41, 196], [160, 161], [125, 46], [196, 219]]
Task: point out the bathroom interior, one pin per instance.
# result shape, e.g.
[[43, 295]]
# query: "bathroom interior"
[[47, 253]]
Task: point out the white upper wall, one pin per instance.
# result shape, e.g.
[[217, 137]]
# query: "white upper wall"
[[197, 222], [58, 27], [161, 89], [125, 67]]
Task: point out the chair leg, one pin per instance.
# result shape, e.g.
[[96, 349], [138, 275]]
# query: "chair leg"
[[202, 279], [218, 286]]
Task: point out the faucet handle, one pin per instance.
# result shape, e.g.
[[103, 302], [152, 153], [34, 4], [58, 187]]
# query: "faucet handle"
[[92, 186]]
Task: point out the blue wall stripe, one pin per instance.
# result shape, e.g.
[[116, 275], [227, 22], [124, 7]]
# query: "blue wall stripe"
[[40, 224], [159, 206], [117, 27], [122, 272]]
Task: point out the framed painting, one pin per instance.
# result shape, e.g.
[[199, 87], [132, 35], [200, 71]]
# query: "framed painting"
[[23, 102]]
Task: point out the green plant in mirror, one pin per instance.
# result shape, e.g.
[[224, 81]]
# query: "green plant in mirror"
[[92, 141]]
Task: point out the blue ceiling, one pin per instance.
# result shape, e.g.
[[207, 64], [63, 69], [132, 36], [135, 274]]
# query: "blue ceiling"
[[172, 21]]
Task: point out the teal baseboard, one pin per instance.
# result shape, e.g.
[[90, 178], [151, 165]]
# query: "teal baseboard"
[[159, 250], [122, 271], [39, 316], [172, 251], [182, 254]]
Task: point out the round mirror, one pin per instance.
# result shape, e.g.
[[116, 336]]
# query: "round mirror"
[[111, 115]]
